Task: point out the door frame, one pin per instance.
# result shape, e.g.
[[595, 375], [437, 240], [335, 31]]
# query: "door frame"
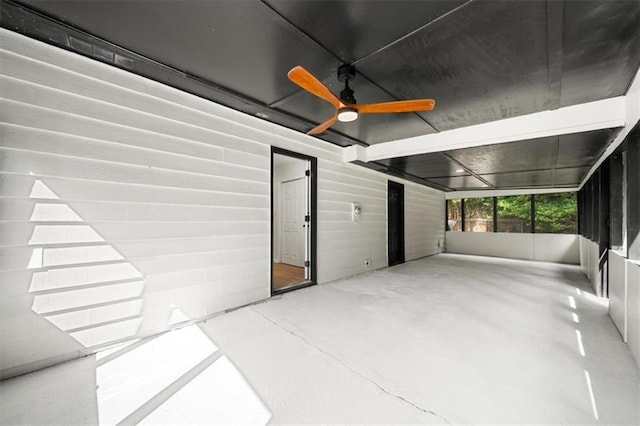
[[395, 185], [313, 200]]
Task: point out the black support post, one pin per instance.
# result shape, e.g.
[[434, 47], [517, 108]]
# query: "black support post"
[[462, 213], [533, 214], [595, 207], [633, 194], [616, 176], [603, 211], [495, 214], [579, 212]]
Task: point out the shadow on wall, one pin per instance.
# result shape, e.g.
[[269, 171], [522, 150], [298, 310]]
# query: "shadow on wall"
[[88, 290], [81, 284]]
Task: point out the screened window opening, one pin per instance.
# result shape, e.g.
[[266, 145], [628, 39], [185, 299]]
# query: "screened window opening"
[[556, 213], [514, 213], [454, 215], [478, 214], [553, 213]]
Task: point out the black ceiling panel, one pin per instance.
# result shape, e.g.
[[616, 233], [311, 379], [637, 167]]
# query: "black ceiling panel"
[[528, 179], [240, 45], [572, 150], [459, 182], [532, 154], [354, 29], [429, 165], [485, 62], [581, 149], [571, 176], [558, 178], [601, 49]]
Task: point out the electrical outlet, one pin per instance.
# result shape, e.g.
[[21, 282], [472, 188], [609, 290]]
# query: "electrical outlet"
[[367, 263]]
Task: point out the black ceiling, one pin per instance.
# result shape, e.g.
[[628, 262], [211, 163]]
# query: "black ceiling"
[[554, 161], [480, 60]]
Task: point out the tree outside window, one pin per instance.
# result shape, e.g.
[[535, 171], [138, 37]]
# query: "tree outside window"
[[514, 213], [556, 213], [454, 215], [478, 214]]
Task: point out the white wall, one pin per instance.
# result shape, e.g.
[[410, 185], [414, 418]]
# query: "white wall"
[[633, 308], [349, 243], [562, 248], [618, 291], [424, 222], [123, 200], [589, 262], [624, 299]]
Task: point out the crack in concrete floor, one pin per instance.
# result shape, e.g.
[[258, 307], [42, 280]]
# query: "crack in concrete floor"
[[368, 379]]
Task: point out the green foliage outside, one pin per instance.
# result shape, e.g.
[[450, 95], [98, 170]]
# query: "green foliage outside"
[[478, 214], [515, 206], [454, 208], [514, 213], [478, 208], [557, 213]]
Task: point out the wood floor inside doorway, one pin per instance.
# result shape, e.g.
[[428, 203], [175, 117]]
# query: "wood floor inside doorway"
[[285, 275]]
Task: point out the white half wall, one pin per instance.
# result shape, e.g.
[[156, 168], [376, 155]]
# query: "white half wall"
[[624, 299], [618, 291], [561, 248], [633, 309], [123, 201], [589, 262]]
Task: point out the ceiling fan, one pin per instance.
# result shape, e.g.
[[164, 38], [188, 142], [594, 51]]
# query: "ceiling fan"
[[346, 107]]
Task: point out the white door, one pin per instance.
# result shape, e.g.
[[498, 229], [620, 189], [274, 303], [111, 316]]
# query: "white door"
[[293, 224]]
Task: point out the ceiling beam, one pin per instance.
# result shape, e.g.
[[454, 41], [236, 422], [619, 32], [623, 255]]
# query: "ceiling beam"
[[504, 192], [585, 117]]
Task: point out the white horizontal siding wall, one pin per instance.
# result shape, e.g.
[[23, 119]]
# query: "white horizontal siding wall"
[[343, 244], [424, 213], [128, 206]]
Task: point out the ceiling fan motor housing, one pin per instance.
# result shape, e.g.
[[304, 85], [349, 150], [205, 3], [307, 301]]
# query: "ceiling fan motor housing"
[[346, 72]]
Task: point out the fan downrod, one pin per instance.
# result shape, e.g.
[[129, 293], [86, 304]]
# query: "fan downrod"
[[346, 73]]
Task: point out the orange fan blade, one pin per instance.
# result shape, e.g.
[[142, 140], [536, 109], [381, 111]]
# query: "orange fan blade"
[[308, 82], [397, 106], [324, 126]]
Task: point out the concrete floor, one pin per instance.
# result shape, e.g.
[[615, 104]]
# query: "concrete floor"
[[446, 339]]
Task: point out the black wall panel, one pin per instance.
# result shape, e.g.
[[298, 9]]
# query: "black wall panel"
[[616, 175], [633, 194]]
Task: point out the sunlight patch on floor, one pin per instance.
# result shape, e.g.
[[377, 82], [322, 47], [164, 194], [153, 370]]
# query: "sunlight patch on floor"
[[135, 377], [219, 395]]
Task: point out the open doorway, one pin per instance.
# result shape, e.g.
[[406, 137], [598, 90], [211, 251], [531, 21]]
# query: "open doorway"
[[293, 220], [395, 223]]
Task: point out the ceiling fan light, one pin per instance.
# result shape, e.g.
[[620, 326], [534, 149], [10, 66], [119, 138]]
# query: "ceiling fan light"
[[346, 115]]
